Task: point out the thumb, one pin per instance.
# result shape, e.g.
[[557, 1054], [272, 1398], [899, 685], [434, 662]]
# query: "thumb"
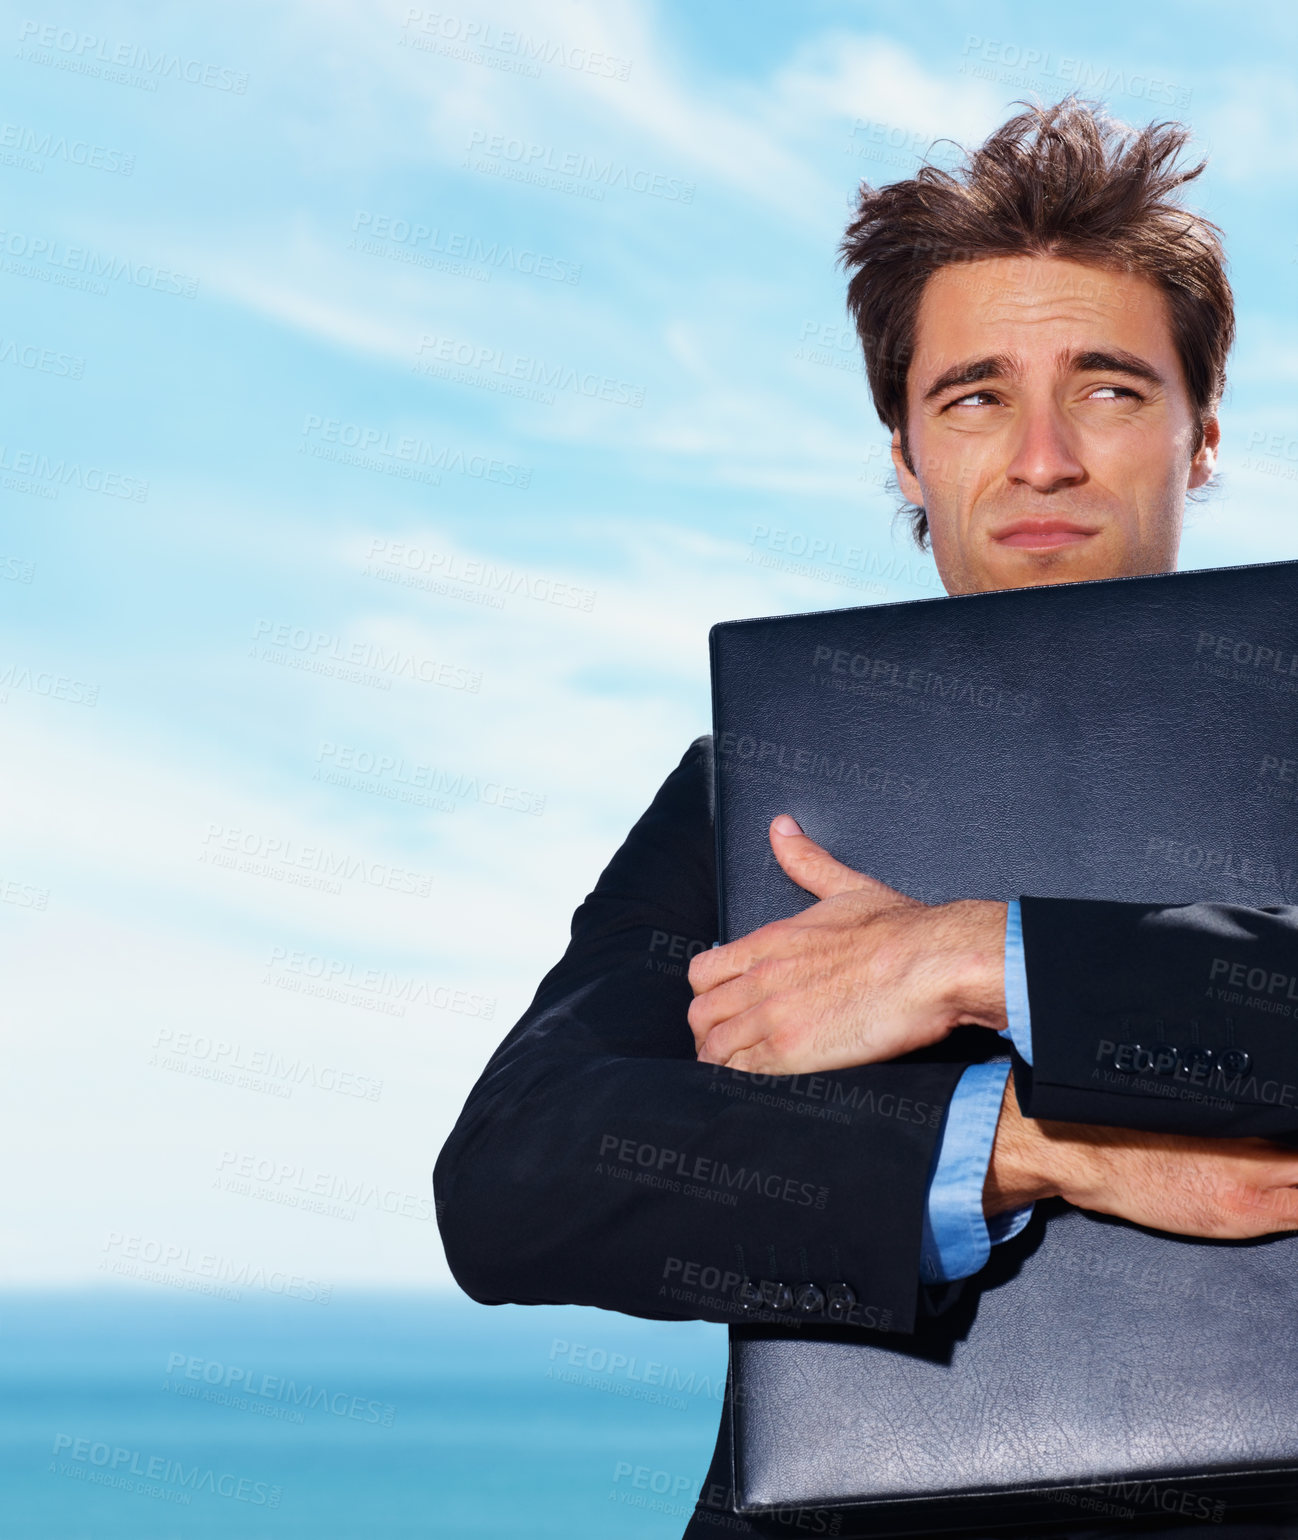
[[812, 867]]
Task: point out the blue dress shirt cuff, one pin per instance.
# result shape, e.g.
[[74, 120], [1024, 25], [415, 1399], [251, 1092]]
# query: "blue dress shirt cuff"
[[1016, 985], [957, 1240]]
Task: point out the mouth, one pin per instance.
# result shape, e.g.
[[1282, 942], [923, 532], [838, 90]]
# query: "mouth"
[[1042, 534]]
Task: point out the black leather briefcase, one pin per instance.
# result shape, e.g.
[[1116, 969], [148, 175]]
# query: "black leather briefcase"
[[1049, 742]]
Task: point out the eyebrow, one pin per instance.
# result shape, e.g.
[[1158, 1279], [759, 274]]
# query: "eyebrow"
[[1001, 366]]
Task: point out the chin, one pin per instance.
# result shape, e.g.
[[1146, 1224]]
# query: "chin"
[[1021, 567]]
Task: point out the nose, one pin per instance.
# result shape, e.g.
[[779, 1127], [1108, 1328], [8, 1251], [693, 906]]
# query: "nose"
[[1044, 458]]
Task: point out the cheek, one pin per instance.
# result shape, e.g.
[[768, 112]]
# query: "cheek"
[[1149, 452], [961, 474], [1148, 480]]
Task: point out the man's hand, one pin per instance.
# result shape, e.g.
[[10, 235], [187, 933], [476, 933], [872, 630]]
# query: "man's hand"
[[1220, 1189], [867, 974]]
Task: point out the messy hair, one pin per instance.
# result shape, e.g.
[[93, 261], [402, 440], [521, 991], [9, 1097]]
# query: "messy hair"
[[1062, 181]]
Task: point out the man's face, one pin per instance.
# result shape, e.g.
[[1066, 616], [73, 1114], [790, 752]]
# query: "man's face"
[[1049, 425]]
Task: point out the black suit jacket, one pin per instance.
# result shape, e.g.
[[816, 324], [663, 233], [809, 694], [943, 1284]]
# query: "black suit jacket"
[[596, 1162], [1182, 1018]]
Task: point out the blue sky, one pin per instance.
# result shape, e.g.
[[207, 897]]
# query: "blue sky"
[[393, 400]]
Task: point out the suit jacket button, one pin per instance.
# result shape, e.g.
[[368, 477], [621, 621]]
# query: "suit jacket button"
[[777, 1296], [842, 1301], [747, 1295], [1165, 1058], [1235, 1061], [1197, 1062], [808, 1299]]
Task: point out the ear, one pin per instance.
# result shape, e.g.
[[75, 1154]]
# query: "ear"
[[1205, 460], [910, 487]]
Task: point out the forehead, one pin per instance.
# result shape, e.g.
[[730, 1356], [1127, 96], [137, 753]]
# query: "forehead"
[[1022, 304]]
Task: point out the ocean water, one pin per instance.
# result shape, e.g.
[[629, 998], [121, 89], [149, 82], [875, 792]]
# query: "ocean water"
[[143, 1414]]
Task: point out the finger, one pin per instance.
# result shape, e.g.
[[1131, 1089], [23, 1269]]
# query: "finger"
[[709, 1010], [732, 1036], [720, 963], [1281, 1210], [1245, 1205], [812, 867], [761, 1059], [777, 1052]]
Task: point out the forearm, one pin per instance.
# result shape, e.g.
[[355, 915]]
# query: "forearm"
[[658, 1186], [1017, 1171], [1217, 1189], [598, 1162]]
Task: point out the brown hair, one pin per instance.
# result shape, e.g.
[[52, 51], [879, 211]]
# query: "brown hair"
[[1064, 181]]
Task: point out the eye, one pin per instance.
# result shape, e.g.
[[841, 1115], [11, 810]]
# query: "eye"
[[990, 395], [1117, 390]]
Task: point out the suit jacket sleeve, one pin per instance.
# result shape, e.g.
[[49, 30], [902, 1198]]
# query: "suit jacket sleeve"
[[1180, 1018], [596, 1162]]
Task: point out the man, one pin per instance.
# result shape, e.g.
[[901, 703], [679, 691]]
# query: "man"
[[1045, 336]]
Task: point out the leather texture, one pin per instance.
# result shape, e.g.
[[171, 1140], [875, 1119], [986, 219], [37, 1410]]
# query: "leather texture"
[[1050, 744]]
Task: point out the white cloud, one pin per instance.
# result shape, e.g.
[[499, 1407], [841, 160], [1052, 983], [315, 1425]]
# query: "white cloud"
[[874, 78]]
